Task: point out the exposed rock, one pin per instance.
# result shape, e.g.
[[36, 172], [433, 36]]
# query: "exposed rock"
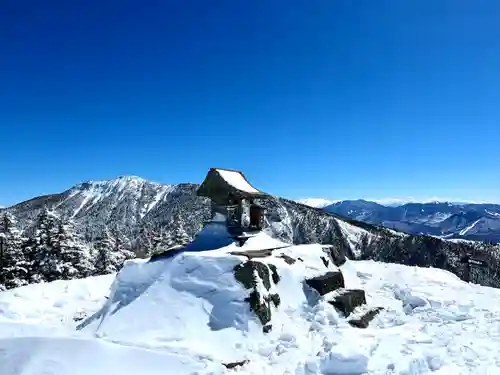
[[327, 282], [325, 261], [336, 254], [365, 318], [348, 299], [260, 307], [267, 328], [79, 317], [274, 298], [274, 274], [233, 365], [288, 259], [244, 273]]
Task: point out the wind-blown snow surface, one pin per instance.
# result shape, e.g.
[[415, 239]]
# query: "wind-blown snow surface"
[[59, 303], [186, 314]]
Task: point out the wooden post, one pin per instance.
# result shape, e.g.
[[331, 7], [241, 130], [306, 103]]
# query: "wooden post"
[[467, 272], [470, 262]]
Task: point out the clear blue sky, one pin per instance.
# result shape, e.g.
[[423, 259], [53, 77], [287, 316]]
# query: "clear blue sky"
[[337, 99]]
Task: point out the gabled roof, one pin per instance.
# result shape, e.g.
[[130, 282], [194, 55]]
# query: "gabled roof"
[[223, 183]]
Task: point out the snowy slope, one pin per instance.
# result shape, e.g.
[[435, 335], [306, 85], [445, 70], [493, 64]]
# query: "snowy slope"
[[82, 356], [59, 303], [187, 314], [120, 204]]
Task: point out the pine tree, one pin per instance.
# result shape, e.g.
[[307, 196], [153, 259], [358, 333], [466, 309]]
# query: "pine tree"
[[177, 238], [103, 262], [110, 254], [166, 241], [74, 256], [43, 249], [55, 251], [14, 264]]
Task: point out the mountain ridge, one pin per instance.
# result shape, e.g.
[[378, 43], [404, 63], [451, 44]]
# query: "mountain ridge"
[[471, 221], [144, 216]]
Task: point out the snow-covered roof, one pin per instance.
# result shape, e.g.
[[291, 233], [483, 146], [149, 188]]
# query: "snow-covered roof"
[[237, 180], [220, 180]]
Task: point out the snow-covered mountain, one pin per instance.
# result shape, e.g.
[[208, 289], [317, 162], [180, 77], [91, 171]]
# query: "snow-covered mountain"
[[448, 220], [316, 202], [298, 310], [142, 214]]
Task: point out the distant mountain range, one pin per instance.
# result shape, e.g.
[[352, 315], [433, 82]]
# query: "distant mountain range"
[[133, 208], [145, 216], [477, 222], [316, 202]]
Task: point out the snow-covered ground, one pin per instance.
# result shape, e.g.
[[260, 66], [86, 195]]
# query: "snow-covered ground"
[[60, 303], [187, 315]]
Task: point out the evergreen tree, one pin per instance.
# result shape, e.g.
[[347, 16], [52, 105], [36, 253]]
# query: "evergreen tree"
[[177, 238], [165, 241], [43, 249], [13, 263], [55, 251], [74, 256], [110, 254]]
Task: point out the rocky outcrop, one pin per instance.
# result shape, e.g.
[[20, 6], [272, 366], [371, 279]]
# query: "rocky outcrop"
[[327, 282], [336, 254], [364, 319], [249, 274], [347, 300], [259, 277], [331, 286], [245, 274], [234, 365]]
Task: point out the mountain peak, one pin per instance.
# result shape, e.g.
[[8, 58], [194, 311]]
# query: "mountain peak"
[[118, 183], [122, 179], [316, 202]]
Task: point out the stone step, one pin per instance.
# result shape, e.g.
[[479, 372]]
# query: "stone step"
[[347, 300], [363, 320], [327, 282]]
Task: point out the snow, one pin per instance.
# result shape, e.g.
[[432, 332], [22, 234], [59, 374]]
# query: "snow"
[[236, 180], [186, 314], [55, 303], [492, 213], [92, 192], [77, 356], [464, 231], [316, 202], [159, 197], [436, 218], [353, 235]]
